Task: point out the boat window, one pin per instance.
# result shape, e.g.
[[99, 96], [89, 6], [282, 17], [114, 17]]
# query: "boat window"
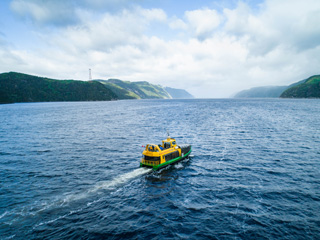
[[167, 145], [173, 143], [153, 149], [171, 156], [152, 158]]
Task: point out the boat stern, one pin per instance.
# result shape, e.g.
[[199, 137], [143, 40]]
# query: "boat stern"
[[151, 156]]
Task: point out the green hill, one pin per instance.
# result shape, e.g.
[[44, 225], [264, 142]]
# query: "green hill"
[[121, 92], [309, 88], [18, 87], [135, 90]]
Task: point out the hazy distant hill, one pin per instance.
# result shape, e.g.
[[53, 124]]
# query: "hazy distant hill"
[[178, 93], [262, 92], [309, 88], [18, 87], [267, 91]]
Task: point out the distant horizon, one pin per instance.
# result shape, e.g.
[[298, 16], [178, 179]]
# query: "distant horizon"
[[231, 96], [210, 48]]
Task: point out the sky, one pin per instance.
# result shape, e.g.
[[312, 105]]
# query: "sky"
[[212, 49]]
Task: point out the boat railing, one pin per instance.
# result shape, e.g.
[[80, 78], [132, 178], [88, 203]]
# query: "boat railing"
[[151, 163]]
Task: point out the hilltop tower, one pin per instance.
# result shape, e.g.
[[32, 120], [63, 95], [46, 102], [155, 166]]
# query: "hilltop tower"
[[90, 76]]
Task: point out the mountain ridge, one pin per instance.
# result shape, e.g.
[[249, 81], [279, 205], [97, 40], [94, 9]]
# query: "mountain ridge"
[[21, 87], [135, 90], [261, 92], [306, 88]]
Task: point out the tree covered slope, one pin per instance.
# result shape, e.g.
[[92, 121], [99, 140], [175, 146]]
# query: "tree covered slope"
[[18, 87], [136, 90], [309, 88]]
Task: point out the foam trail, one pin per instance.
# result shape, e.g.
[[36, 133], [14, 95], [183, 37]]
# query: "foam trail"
[[61, 202], [120, 179], [4, 214], [103, 185]]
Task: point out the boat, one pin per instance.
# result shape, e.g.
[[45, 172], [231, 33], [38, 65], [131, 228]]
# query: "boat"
[[161, 155]]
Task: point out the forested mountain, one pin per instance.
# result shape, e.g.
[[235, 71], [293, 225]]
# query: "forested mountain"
[[19, 87], [309, 88], [135, 90]]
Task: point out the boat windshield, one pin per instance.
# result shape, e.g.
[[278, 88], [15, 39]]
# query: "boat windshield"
[[166, 144], [152, 148]]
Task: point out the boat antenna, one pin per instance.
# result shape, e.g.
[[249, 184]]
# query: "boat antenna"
[[168, 133], [90, 76]]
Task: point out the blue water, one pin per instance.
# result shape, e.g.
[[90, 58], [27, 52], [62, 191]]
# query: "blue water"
[[70, 170]]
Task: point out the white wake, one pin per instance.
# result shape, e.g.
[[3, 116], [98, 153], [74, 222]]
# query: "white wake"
[[120, 179], [62, 201], [105, 185]]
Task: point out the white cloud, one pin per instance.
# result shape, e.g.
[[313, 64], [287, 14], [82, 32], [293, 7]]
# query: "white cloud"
[[203, 21], [54, 12], [220, 52], [152, 14], [8, 57], [64, 13], [299, 26], [293, 24], [106, 5], [107, 31], [200, 23], [177, 23]]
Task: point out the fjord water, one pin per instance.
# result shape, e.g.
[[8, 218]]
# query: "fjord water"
[[70, 170]]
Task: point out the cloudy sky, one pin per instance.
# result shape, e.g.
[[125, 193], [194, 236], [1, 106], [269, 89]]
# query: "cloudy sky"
[[210, 48]]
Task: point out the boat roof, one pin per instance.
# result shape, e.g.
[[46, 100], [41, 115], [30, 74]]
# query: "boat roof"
[[169, 140]]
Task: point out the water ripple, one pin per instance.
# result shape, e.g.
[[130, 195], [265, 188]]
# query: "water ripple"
[[71, 170]]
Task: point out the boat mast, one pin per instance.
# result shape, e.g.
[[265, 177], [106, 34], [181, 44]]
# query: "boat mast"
[[90, 76]]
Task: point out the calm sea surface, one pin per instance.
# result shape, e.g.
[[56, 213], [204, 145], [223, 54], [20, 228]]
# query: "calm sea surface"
[[70, 170]]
